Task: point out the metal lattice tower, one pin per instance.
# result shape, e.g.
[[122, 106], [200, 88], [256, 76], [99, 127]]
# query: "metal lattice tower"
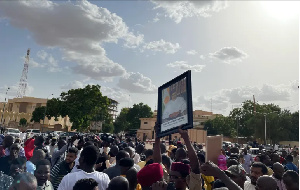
[[23, 81]]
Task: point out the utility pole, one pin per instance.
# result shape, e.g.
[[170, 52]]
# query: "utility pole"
[[237, 130], [265, 128], [4, 107], [211, 105]]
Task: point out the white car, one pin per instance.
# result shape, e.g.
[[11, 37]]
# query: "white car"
[[13, 132], [33, 132]]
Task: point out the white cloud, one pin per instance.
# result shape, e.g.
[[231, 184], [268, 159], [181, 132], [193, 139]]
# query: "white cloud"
[[184, 66], [202, 57], [192, 52], [162, 46], [229, 54], [136, 83], [49, 61], [34, 64], [13, 91], [177, 10], [222, 100], [116, 94], [42, 54], [78, 29], [133, 41], [73, 85]]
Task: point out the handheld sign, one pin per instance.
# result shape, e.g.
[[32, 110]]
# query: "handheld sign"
[[175, 105]]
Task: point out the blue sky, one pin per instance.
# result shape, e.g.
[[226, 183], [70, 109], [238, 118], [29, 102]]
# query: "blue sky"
[[234, 49]]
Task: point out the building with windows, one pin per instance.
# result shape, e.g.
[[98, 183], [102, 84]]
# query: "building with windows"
[[18, 108], [197, 134]]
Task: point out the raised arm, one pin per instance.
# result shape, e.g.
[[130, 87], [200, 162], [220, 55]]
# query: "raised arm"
[[210, 169], [194, 162], [156, 148]]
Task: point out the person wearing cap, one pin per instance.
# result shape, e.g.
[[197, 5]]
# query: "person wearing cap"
[[171, 147], [149, 175], [237, 173]]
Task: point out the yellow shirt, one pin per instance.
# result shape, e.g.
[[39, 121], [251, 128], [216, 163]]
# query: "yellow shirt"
[[141, 164], [208, 181], [270, 171]]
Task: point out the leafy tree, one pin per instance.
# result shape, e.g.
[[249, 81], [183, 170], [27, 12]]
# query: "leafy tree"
[[295, 126], [82, 105], [280, 124], [221, 125], [136, 112], [121, 123], [38, 114], [55, 108], [23, 122], [107, 128]]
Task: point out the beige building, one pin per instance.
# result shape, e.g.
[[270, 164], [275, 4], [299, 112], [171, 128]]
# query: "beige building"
[[18, 108], [197, 134]]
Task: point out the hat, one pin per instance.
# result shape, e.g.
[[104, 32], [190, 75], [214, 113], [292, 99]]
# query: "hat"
[[181, 167], [126, 162], [236, 170], [150, 174], [171, 147]]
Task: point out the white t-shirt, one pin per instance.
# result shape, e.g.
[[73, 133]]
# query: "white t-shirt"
[[248, 186], [68, 182]]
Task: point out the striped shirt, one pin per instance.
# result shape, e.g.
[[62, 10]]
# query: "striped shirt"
[[58, 172]]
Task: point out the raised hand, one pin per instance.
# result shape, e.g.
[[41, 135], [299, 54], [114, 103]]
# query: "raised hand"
[[159, 185]]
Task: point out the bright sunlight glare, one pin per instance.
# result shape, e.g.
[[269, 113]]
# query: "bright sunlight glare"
[[283, 10]]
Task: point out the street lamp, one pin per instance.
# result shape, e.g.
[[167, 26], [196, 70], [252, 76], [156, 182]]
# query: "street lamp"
[[265, 129], [45, 111], [4, 106], [237, 130]]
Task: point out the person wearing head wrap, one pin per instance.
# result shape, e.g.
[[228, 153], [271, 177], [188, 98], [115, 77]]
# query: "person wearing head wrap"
[[184, 176], [150, 174]]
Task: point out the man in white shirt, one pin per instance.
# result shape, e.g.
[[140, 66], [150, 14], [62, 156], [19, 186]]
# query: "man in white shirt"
[[257, 169], [87, 161]]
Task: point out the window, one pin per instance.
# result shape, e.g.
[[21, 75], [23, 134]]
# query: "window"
[[145, 122]]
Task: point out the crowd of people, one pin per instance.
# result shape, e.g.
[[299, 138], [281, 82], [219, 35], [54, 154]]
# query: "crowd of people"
[[91, 162]]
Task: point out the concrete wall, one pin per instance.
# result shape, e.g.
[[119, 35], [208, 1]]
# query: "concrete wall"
[[287, 143], [213, 148]]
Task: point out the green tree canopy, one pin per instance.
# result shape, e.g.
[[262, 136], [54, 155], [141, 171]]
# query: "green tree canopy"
[[82, 105], [280, 124], [220, 125], [121, 123], [129, 118], [23, 122], [38, 114], [136, 112]]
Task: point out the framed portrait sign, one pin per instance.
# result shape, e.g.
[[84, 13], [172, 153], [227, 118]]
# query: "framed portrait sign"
[[175, 105]]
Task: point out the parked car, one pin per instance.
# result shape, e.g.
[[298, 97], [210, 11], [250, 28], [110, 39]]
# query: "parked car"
[[33, 132], [13, 132], [254, 152]]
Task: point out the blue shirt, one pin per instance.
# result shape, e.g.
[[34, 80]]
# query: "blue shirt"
[[291, 166], [30, 167]]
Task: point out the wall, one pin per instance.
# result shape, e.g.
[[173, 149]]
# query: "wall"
[[292, 143]]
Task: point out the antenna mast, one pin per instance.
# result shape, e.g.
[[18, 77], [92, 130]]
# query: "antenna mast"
[[23, 81]]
